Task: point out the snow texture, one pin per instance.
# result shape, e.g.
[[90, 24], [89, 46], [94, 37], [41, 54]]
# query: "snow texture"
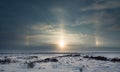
[[65, 63]]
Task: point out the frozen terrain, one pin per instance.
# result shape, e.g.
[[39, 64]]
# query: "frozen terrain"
[[59, 63]]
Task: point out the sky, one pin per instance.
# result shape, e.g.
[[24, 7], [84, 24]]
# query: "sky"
[[46, 25]]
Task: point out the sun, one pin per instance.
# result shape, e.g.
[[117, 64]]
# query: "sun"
[[97, 42], [62, 43]]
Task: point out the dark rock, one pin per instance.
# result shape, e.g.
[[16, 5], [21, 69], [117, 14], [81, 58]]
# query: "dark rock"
[[30, 64], [54, 60], [50, 60], [5, 61], [76, 55], [86, 56], [96, 58], [115, 60]]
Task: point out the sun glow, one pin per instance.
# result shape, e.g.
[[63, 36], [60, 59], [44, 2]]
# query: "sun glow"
[[62, 39], [97, 41], [62, 44]]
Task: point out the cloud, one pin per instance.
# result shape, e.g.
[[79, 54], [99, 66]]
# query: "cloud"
[[104, 23], [60, 13], [41, 26], [115, 27], [97, 19], [79, 39], [39, 39], [57, 10], [108, 4], [92, 20], [45, 27], [51, 35]]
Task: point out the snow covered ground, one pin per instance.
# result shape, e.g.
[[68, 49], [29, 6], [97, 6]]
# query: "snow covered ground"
[[19, 63]]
